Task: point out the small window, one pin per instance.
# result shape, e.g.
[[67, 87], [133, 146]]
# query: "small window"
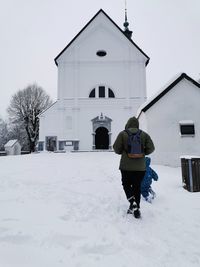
[[101, 53], [92, 93], [187, 129], [110, 93], [101, 91]]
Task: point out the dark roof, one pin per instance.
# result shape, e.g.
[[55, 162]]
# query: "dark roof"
[[166, 90], [101, 10]]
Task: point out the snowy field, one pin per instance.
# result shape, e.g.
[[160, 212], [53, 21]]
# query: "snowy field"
[[69, 210]]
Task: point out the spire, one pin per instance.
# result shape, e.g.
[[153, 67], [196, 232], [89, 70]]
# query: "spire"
[[127, 32]]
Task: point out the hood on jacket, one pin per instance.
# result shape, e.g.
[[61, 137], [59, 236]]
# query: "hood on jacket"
[[132, 123], [148, 161]]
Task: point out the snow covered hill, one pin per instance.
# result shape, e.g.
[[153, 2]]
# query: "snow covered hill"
[[69, 210]]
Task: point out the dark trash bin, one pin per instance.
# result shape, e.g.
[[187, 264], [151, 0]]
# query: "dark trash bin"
[[190, 167]]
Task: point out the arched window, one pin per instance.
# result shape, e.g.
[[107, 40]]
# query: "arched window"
[[102, 92], [92, 93], [110, 93]]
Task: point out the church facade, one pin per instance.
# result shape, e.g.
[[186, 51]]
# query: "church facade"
[[101, 83]]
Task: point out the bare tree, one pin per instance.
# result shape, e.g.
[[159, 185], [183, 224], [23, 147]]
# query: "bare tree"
[[4, 134], [13, 131], [24, 110], [18, 131]]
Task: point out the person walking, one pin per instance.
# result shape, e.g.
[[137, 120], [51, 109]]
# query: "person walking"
[[133, 168], [146, 189]]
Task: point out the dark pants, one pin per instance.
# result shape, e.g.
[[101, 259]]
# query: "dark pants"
[[131, 181]]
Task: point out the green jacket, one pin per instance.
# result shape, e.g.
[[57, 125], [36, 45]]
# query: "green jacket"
[[120, 147]]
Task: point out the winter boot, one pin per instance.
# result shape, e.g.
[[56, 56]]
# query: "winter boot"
[[153, 194], [149, 198], [132, 207], [137, 213]]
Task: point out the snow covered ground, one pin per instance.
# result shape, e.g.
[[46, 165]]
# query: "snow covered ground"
[[59, 210]]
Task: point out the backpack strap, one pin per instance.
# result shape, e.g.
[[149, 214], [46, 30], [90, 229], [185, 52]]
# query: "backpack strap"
[[138, 133]]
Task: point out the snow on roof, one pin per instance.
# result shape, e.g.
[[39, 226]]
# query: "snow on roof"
[[11, 142], [168, 86], [186, 122], [150, 99], [189, 157]]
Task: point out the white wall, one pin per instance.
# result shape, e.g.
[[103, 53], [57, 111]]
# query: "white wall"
[[56, 121], [80, 70], [180, 103], [123, 68]]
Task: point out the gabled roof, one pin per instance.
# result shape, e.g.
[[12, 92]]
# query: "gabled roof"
[[101, 11], [11, 143], [150, 103], [47, 108]]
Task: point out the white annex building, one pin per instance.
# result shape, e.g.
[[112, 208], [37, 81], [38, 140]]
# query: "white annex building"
[[101, 83], [172, 119]]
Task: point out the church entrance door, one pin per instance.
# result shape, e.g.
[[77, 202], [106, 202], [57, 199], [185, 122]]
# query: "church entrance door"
[[101, 138], [101, 134]]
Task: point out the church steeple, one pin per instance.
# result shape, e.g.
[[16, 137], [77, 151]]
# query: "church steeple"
[[127, 32]]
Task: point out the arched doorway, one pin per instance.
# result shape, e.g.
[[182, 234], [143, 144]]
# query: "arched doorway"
[[101, 134], [101, 138]]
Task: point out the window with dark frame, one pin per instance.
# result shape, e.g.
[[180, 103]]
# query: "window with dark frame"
[[110, 93], [92, 93], [101, 91], [101, 53], [104, 92], [187, 129]]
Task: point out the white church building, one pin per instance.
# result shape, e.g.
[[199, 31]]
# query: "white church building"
[[101, 83]]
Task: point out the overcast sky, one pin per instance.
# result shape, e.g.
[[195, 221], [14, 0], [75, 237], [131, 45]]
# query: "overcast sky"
[[33, 32]]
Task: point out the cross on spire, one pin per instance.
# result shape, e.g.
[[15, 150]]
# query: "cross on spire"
[[127, 32]]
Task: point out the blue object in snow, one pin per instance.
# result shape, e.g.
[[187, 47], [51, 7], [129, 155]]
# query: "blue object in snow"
[[150, 175]]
